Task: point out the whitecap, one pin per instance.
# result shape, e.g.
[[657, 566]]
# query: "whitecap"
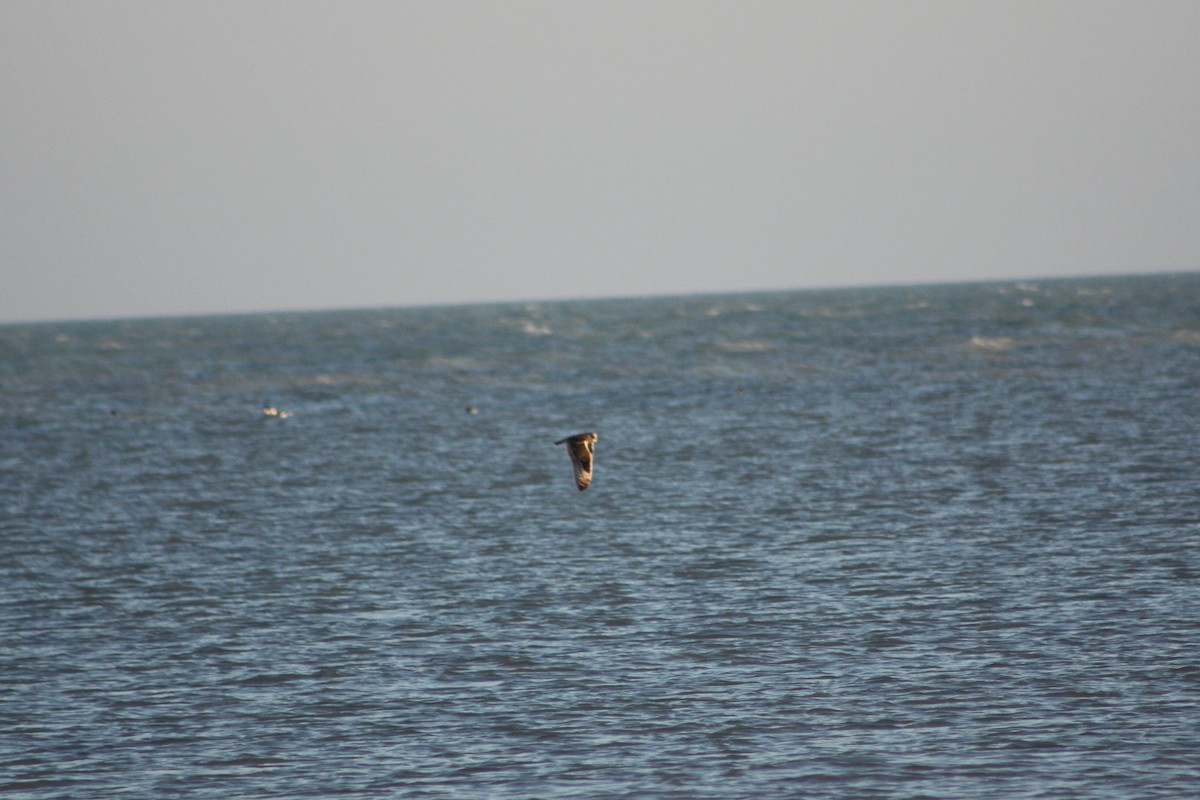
[[746, 346], [993, 343]]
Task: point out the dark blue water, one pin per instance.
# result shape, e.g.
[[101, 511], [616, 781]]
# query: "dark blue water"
[[909, 542]]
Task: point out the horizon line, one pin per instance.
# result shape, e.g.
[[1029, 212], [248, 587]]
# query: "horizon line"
[[591, 298]]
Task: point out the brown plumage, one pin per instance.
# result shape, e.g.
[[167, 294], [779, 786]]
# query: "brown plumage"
[[580, 448]]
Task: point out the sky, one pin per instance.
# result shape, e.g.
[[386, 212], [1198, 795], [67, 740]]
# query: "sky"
[[168, 158]]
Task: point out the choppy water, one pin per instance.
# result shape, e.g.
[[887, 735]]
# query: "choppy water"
[[909, 542]]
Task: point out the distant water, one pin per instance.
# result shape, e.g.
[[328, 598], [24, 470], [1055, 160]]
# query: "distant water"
[[927, 542]]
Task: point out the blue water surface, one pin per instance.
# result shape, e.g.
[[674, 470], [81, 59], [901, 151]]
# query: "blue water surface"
[[905, 542]]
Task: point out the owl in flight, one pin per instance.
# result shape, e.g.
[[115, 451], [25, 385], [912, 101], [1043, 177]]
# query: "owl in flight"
[[580, 448]]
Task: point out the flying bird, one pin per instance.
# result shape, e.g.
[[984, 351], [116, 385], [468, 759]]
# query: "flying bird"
[[580, 448]]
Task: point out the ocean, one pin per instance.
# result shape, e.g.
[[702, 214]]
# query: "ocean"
[[905, 542]]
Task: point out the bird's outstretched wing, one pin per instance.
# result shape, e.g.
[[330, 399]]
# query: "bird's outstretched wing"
[[580, 448]]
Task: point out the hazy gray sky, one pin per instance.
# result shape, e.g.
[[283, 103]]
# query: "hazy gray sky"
[[192, 157]]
